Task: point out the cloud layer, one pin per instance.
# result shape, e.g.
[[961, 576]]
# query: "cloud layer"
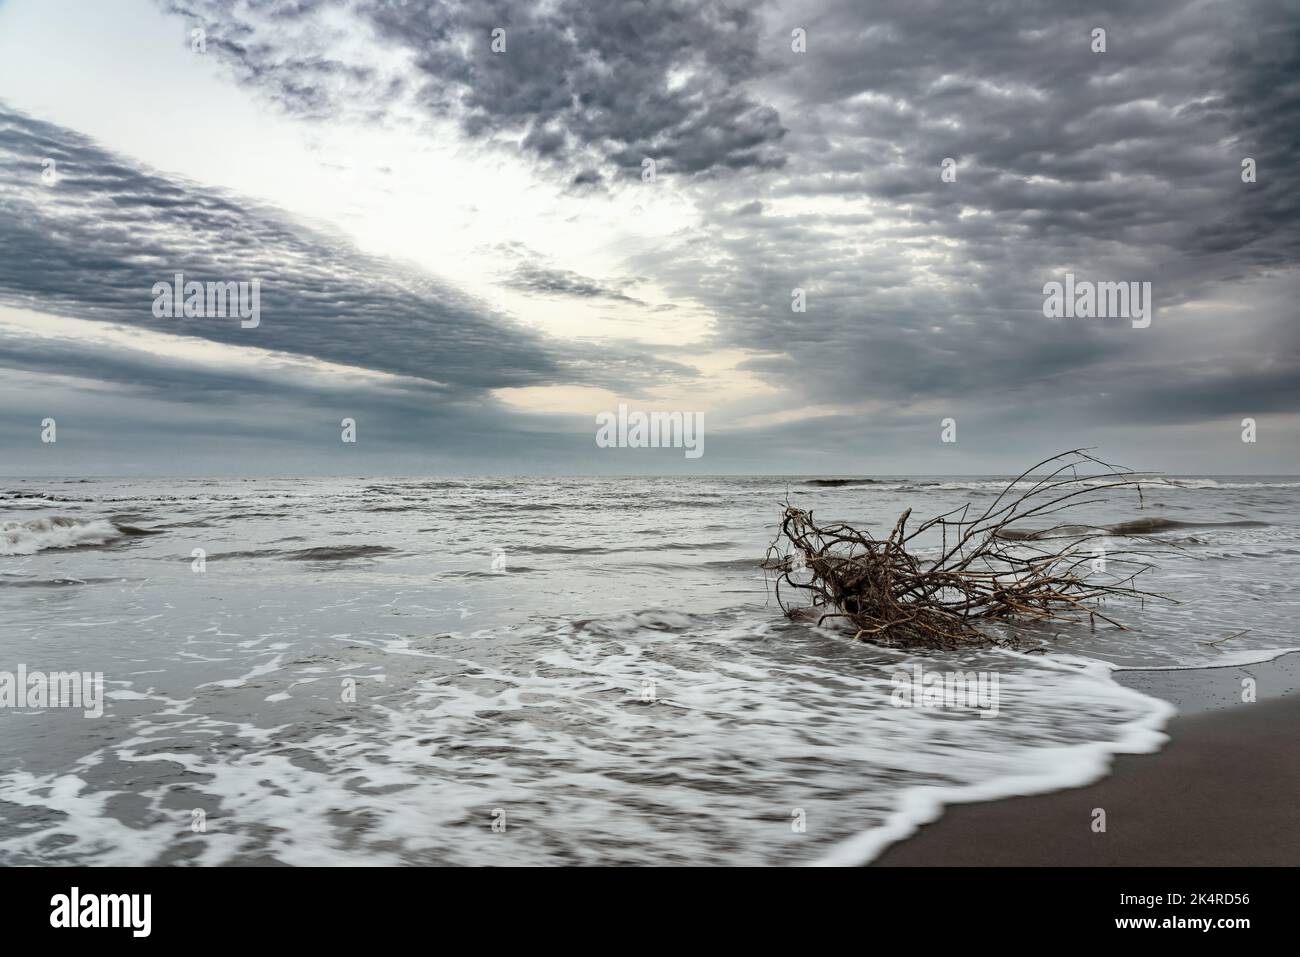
[[594, 86], [814, 171]]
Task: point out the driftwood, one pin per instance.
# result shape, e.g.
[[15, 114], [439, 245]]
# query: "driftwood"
[[984, 572]]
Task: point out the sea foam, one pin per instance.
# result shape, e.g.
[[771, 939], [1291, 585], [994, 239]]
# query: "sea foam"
[[41, 534]]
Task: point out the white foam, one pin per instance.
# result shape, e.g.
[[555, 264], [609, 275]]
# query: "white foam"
[[41, 534], [1233, 659], [1054, 768], [1048, 769]]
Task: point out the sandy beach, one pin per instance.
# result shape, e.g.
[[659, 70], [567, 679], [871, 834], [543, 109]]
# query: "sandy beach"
[[1222, 792]]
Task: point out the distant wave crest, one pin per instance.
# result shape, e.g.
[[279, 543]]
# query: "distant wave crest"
[[840, 482]]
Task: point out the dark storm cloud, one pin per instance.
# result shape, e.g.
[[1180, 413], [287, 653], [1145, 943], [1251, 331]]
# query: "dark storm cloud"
[[616, 80], [93, 244], [1123, 165], [1260, 105]]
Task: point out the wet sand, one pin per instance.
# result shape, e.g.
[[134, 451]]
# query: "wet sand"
[[1225, 790]]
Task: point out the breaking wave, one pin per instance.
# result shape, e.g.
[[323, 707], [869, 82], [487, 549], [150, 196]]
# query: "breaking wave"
[[42, 534]]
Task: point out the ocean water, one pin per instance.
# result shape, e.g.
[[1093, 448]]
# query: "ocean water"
[[542, 671]]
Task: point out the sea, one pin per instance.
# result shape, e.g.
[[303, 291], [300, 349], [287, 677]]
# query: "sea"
[[540, 671]]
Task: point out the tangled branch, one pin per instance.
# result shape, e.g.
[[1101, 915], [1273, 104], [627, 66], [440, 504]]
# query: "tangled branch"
[[984, 571]]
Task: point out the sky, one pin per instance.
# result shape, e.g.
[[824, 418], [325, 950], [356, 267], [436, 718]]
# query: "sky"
[[738, 210]]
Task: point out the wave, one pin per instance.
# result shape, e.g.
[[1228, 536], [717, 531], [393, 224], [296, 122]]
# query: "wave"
[[554, 549], [1205, 483], [722, 564], [9, 582], [509, 570], [1137, 526], [428, 486], [837, 483], [132, 531], [1143, 526], [40, 497], [323, 553], [1159, 482], [44, 534], [335, 553]]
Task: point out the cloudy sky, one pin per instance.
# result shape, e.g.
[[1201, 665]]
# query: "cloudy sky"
[[463, 251]]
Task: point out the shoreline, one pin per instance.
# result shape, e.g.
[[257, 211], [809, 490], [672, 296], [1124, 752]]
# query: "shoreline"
[[1221, 792]]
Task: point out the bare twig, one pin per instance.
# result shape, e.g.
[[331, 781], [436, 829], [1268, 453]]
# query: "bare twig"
[[1229, 638]]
